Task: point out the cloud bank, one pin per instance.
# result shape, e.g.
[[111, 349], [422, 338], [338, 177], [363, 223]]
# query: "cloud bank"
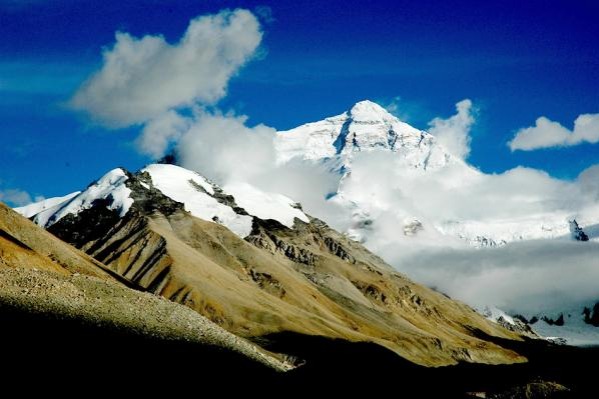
[[142, 78], [526, 278], [547, 134]]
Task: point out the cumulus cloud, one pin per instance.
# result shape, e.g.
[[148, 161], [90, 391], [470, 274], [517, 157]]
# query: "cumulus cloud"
[[143, 78], [454, 133], [454, 193], [223, 148], [547, 134], [16, 197]]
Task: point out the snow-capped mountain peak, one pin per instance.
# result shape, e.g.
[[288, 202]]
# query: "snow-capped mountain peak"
[[365, 127]]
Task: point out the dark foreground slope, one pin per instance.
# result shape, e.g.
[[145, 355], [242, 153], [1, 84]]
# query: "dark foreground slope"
[[351, 368], [71, 358], [53, 350]]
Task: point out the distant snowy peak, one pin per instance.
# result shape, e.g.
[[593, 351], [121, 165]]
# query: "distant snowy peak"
[[366, 126], [120, 190]]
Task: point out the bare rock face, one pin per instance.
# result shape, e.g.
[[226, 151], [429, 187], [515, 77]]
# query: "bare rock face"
[[576, 231], [306, 278]]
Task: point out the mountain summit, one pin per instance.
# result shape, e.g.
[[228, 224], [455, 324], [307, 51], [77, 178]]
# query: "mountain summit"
[[367, 110], [366, 126]]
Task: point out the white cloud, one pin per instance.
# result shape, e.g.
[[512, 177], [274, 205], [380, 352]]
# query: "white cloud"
[[15, 197], [223, 148], [389, 196], [547, 134], [454, 133], [525, 277], [588, 180], [158, 133], [146, 77]]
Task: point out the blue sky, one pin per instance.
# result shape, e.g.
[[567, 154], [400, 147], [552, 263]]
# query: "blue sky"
[[515, 60]]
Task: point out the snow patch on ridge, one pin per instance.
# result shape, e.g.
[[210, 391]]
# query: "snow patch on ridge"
[[266, 205], [195, 192]]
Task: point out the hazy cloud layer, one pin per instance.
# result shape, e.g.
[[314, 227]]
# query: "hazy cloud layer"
[[526, 277], [142, 78], [546, 134], [454, 133], [588, 180], [522, 277]]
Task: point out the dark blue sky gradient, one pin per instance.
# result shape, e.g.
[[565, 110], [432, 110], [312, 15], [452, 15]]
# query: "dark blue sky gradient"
[[517, 60]]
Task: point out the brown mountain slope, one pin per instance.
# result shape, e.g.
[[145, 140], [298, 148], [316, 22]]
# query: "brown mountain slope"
[[309, 279], [41, 275], [24, 244]]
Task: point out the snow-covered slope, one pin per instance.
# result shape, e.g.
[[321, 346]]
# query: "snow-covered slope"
[[574, 330], [266, 205], [199, 196]]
